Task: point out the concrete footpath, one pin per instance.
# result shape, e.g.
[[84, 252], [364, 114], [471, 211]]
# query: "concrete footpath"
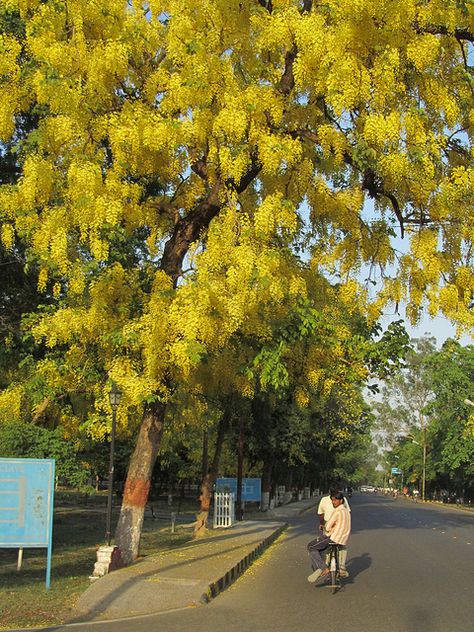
[[185, 577]]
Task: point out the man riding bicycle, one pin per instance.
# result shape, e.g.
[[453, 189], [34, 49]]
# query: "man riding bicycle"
[[338, 529]]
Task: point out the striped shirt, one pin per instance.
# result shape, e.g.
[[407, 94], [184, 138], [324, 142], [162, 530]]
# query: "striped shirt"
[[339, 525]]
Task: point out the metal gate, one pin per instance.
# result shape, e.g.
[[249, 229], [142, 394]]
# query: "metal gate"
[[224, 509]]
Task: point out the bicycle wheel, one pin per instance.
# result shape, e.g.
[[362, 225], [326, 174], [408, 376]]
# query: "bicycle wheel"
[[333, 568]]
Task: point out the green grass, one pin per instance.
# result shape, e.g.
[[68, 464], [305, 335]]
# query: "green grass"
[[24, 600]]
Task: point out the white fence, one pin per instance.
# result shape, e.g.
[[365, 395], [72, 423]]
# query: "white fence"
[[224, 509]]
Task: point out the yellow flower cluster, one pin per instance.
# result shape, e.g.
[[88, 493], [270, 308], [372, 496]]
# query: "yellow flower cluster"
[[314, 377], [301, 397], [328, 385], [426, 255], [351, 295], [348, 84], [439, 97], [465, 281], [232, 165], [7, 235], [273, 213], [423, 51], [275, 31], [37, 183], [9, 91], [469, 428], [381, 131], [395, 168], [374, 308], [231, 122], [386, 82], [11, 400], [277, 153], [136, 383], [449, 300], [394, 290], [332, 141]]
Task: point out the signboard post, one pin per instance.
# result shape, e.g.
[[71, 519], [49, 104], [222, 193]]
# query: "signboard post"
[[26, 505]]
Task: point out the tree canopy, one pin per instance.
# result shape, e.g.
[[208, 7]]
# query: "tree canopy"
[[166, 163]]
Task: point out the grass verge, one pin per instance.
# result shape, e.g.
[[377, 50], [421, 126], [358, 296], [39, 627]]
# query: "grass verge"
[[24, 600]]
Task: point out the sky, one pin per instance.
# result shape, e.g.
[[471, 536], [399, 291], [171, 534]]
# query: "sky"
[[440, 328]]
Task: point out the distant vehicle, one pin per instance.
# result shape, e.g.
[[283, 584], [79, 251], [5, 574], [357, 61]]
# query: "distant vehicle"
[[367, 488]]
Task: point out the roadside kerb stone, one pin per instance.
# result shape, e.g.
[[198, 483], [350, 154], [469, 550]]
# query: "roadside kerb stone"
[[238, 569], [184, 577]]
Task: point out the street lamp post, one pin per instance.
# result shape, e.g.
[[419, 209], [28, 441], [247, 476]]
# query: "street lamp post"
[[115, 397]]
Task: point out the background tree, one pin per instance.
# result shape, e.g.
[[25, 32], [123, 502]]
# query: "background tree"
[[357, 462], [403, 409], [405, 395], [453, 419], [440, 448], [34, 442]]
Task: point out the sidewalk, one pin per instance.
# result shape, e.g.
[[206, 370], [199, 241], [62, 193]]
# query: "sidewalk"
[[188, 576]]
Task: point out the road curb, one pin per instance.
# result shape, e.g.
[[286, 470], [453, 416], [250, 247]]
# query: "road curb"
[[238, 569], [440, 503]]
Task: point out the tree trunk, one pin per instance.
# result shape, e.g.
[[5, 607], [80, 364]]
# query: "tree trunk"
[[137, 485], [289, 480], [266, 483], [200, 526], [209, 478], [240, 467], [205, 452]]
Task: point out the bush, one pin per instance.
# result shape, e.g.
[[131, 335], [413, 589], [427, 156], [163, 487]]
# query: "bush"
[[34, 442]]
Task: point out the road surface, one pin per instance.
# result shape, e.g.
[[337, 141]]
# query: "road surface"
[[411, 570]]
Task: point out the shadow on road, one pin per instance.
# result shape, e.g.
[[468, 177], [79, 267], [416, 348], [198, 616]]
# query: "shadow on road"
[[356, 566]]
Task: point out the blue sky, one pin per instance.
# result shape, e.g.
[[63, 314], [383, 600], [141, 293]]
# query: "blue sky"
[[439, 327]]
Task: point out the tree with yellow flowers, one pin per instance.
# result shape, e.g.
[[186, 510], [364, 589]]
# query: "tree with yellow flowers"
[[153, 139]]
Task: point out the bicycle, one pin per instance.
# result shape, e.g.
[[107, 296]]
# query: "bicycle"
[[333, 563]]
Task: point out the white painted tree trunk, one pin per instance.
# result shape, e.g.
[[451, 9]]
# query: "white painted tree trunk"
[[265, 501]]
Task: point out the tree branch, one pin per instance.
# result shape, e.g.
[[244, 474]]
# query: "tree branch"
[[41, 409], [266, 4], [189, 228], [287, 81], [459, 34]]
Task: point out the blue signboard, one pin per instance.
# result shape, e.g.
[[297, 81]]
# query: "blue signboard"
[[251, 487], [395, 470], [26, 505]]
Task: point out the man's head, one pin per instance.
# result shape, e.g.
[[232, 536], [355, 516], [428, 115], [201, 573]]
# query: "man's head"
[[337, 499]]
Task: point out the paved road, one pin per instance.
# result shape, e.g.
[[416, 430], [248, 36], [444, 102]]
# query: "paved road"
[[411, 570]]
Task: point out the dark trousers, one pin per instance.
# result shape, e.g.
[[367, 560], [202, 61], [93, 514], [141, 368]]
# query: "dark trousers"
[[315, 548]]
